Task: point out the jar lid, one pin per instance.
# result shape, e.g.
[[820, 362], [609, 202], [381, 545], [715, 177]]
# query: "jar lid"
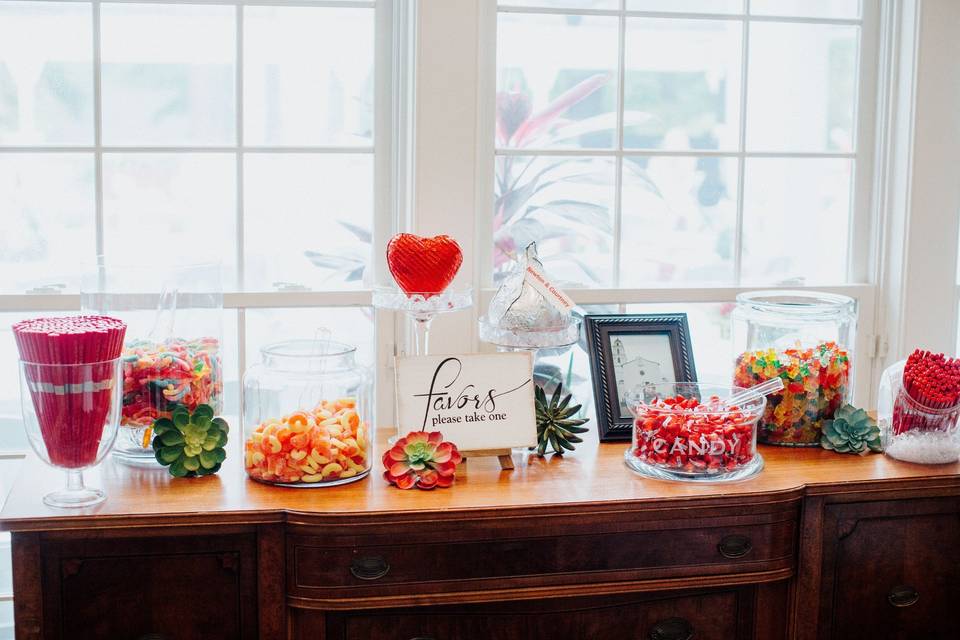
[[798, 303]]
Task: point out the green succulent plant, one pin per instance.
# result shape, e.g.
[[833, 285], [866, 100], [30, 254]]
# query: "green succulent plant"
[[852, 430], [556, 424], [191, 444]]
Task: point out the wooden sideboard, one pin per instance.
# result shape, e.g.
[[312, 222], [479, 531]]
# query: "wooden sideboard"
[[819, 545]]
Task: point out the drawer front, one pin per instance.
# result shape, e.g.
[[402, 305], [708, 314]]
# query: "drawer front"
[[720, 615], [892, 570], [316, 569]]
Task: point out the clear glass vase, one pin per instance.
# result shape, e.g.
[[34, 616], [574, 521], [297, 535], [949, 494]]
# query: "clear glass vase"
[[71, 413]]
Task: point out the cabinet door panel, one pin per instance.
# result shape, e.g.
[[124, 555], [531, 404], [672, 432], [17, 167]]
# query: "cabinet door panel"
[[169, 588], [892, 570], [717, 615]]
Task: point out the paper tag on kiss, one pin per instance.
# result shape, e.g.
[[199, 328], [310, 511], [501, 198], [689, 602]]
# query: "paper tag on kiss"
[[555, 296]]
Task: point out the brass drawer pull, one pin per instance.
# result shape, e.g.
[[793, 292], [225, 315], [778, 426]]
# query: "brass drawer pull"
[[903, 595], [369, 568], [734, 546], [672, 629]]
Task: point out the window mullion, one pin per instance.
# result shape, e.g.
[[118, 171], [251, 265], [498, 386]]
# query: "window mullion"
[[742, 148], [618, 176], [97, 134]]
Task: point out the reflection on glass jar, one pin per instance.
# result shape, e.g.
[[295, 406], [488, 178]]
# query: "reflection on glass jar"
[[803, 338], [306, 415]]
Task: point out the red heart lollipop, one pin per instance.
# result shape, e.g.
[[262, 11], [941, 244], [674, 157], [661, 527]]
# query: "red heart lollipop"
[[423, 265]]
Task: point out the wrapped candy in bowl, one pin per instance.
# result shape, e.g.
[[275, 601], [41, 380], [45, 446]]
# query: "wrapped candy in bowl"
[[694, 431]]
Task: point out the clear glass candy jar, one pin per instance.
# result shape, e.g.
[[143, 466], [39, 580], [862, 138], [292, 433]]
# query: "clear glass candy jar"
[[685, 431], [306, 415], [804, 338]]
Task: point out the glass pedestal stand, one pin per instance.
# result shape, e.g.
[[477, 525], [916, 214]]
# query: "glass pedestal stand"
[[554, 341], [422, 308]]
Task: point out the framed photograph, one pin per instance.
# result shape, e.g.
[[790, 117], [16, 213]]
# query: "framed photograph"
[[628, 351]]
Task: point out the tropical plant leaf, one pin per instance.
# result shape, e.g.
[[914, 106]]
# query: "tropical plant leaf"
[[363, 234], [543, 119], [586, 213]]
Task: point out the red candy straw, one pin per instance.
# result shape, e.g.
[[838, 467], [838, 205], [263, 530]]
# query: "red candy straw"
[[931, 382], [71, 402]]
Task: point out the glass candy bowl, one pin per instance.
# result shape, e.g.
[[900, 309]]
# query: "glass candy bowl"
[[685, 431], [306, 412]]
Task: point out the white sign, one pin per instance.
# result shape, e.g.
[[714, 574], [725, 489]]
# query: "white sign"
[[478, 401]]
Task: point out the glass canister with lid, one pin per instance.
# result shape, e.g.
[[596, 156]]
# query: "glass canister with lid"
[[805, 338], [306, 415]]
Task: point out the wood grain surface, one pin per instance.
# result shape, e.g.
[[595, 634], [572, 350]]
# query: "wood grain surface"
[[595, 474]]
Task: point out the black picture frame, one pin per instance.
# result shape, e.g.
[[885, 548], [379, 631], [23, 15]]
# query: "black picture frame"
[[612, 424]]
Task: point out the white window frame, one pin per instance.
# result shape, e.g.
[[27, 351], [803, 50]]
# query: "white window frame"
[[391, 103], [433, 147]]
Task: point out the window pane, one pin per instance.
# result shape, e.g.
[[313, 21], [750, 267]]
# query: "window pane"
[[168, 74], [807, 8], [308, 76], [556, 81], [352, 325], [309, 220], [566, 206], [691, 6], [682, 84], [179, 207], [46, 73], [802, 87], [679, 220], [563, 4], [47, 208], [796, 220]]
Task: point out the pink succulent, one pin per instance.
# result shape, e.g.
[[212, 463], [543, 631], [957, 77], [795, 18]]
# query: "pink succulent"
[[421, 459]]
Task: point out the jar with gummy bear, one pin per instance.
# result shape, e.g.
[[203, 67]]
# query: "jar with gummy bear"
[[805, 338], [307, 412]]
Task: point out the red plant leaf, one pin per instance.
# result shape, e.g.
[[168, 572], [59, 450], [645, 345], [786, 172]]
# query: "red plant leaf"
[[543, 119]]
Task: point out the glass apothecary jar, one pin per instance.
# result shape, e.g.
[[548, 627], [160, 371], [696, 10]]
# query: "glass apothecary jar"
[[687, 431], [912, 431], [806, 339], [306, 415], [171, 356]]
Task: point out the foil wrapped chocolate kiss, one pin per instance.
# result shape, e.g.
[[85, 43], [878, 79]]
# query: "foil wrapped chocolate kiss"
[[529, 312], [519, 305]]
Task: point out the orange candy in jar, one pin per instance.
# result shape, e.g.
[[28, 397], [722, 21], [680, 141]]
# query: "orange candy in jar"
[[326, 445], [307, 415]]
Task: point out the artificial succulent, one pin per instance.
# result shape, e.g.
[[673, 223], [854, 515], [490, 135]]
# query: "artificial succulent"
[[557, 424], [421, 459], [191, 444], [852, 430]]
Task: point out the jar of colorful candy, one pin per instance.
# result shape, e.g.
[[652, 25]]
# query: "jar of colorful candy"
[[172, 355], [691, 431], [307, 415], [805, 338]]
